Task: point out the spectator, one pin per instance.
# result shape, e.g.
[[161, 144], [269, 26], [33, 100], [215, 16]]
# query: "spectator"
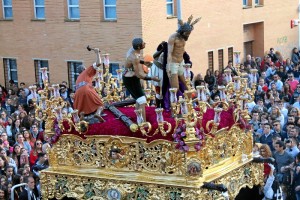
[[272, 55], [278, 130], [278, 83], [29, 190], [266, 137], [22, 99], [292, 147], [36, 134], [281, 73], [35, 151], [283, 161], [23, 144], [288, 65], [295, 56], [28, 137], [268, 190], [292, 82], [41, 163], [265, 152], [219, 77], [210, 79]]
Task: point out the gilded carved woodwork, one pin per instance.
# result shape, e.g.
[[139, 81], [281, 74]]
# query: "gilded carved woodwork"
[[81, 187]]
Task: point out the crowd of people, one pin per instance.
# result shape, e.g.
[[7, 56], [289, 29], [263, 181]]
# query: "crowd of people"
[[23, 145], [275, 115]]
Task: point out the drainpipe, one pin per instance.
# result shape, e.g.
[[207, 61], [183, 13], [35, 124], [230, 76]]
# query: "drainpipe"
[[179, 9]]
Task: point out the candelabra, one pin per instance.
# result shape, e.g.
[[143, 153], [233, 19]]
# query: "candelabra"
[[183, 111], [142, 124], [51, 105], [161, 123], [112, 90], [242, 94]]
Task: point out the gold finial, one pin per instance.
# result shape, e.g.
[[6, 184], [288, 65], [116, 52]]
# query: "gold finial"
[[134, 127]]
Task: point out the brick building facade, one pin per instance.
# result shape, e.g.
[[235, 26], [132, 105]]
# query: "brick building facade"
[[37, 33]]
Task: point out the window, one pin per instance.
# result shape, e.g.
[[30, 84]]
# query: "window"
[[10, 70], [7, 9], [39, 9], [211, 60], [112, 68], [221, 59], [170, 7], [73, 9], [110, 9], [259, 3], [247, 3], [230, 54], [38, 64], [73, 73]]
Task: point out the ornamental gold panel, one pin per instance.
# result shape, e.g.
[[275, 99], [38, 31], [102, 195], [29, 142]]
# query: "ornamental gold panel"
[[79, 186]]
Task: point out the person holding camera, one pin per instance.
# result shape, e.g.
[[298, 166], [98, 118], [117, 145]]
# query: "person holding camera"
[[292, 146]]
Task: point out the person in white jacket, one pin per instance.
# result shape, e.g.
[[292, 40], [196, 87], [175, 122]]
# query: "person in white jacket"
[[268, 190]]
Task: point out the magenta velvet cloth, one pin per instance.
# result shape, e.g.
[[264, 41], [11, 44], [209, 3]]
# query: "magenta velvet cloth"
[[114, 126]]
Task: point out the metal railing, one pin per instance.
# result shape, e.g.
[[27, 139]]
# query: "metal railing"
[[12, 196]]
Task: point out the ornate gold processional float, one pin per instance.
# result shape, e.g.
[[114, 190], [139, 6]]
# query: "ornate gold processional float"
[[200, 152]]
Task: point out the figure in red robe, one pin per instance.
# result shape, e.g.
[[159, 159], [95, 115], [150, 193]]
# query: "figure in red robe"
[[87, 101]]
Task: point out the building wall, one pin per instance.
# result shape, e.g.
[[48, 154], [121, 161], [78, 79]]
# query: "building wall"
[[59, 40], [221, 27]]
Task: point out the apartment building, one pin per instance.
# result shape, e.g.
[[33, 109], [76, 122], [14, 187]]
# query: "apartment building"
[[55, 33]]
